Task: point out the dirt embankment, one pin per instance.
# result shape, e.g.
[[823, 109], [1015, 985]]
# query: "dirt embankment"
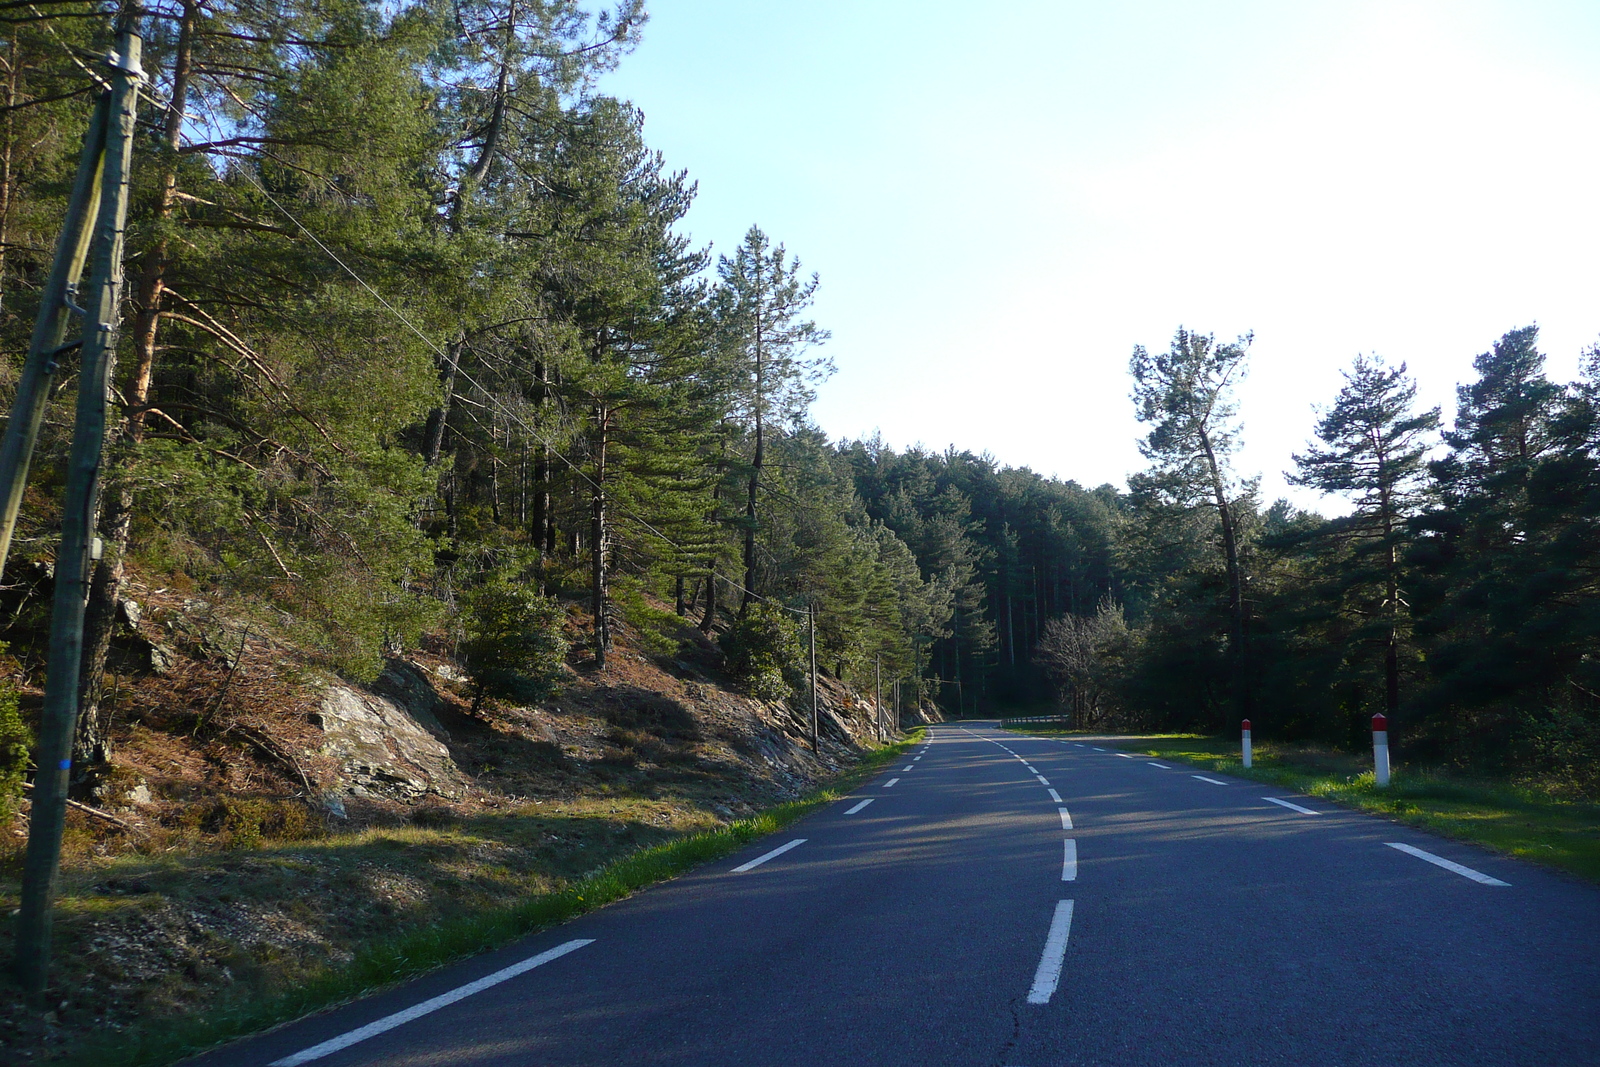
[[264, 820]]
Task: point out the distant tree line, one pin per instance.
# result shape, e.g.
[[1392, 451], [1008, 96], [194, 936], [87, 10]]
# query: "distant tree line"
[[1460, 596]]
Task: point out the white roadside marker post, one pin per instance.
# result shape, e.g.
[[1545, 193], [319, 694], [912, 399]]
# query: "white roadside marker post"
[[1380, 749], [1244, 736]]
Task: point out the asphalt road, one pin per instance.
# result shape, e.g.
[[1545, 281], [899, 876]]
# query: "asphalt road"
[[950, 921]]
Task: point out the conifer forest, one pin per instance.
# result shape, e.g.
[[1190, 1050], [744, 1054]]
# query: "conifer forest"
[[414, 342]]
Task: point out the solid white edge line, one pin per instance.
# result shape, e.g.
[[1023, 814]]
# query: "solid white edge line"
[[1293, 806], [759, 860], [859, 806], [1069, 861], [1054, 795], [1066, 819], [890, 782], [1449, 865], [1163, 766], [1203, 778], [1048, 976], [417, 1011]]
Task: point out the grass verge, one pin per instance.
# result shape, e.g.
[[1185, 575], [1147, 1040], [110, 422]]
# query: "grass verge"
[[447, 940], [1518, 821]]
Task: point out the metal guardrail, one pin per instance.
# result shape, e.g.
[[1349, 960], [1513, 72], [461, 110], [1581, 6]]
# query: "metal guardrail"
[[1035, 718]]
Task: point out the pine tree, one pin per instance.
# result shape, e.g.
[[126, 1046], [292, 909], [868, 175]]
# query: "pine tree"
[[759, 304], [1186, 394], [1373, 449]]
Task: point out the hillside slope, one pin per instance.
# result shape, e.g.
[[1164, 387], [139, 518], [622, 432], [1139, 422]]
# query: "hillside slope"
[[265, 820]]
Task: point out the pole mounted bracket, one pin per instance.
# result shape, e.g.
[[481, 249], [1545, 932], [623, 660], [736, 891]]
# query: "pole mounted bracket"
[[129, 67]]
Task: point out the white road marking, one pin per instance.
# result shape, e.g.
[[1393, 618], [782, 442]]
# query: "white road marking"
[[1124, 755], [1048, 976], [1292, 806], [1097, 748], [417, 1011], [1031, 770], [915, 758], [1066, 820], [1203, 778], [1440, 861], [1054, 795], [859, 806], [890, 782], [1069, 861], [1042, 779], [759, 860], [907, 767], [1163, 766], [1077, 744]]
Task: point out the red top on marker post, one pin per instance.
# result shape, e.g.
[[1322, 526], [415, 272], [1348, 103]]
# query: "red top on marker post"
[[1380, 724], [1245, 726]]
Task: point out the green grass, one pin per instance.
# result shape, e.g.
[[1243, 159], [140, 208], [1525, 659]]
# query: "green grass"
[[445, 940], [1516, 820]]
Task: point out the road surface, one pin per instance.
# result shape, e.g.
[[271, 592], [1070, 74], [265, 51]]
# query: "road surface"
[[1006, 901]]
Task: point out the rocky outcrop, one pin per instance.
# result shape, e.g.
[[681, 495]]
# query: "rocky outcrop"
[[388, 743]]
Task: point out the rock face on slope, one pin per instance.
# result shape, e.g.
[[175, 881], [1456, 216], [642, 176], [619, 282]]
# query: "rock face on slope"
[[387, 742]]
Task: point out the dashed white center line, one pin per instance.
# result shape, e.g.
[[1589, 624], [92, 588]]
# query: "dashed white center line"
[[1203, 778], [1292, 806], [1069, 861], [907, 767], [1048, 976], [1124, 755], [859, 806], [1163, 766], [890, 782], [1066, 820], [915, 758], [1054, 795], [1440, 861], [1097, 748], [759, 860], [1077, 744], [1042, 779], [427, 1007]]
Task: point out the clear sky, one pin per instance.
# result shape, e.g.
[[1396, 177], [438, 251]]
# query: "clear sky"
[[1003, 201]]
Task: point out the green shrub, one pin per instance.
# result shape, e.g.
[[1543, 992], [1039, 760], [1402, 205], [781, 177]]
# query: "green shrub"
[[763, 651], [513, 643], [15, 741]]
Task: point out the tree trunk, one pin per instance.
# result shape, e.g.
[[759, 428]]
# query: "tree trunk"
[[710, 618], [433, 435], [755, 474], [92, 744], [600, 601], [1391, 653], [7, 154], [1230, 550]]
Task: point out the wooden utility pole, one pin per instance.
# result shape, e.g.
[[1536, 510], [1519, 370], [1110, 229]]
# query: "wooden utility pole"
[[811, 617], [58, 720], [50, 328], [877, 693]]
